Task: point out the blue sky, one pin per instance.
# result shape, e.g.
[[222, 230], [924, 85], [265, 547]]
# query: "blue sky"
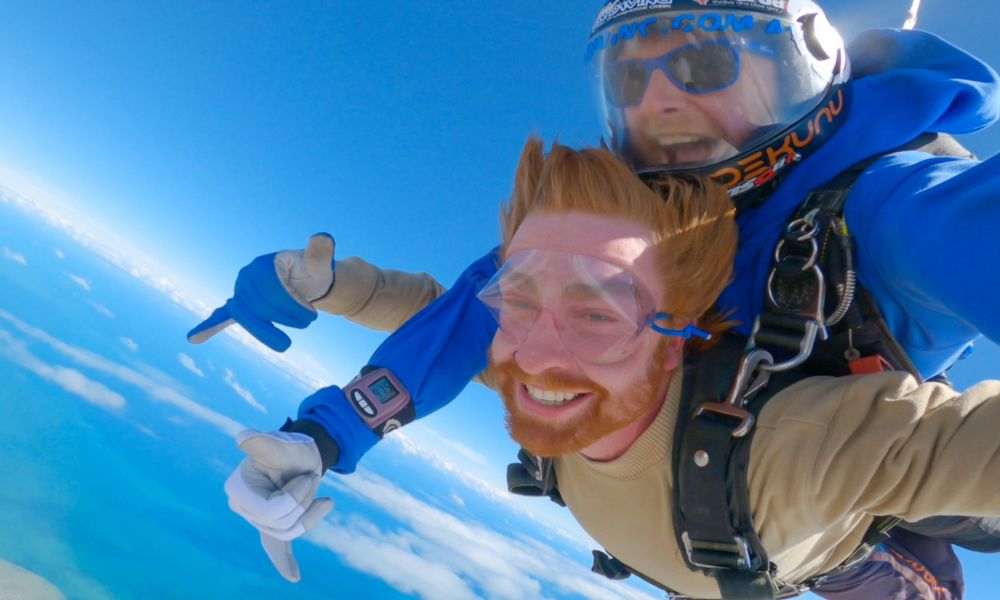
[[188, 137]]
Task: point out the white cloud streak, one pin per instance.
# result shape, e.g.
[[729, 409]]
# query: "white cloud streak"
[[71, 380], [242, 392], [188, 363], [101, 309], [482, 486], [14, 256], [58, 210], [80, 281], [157, 391], [129, 343]]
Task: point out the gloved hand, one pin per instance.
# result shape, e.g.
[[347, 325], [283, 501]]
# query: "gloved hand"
[[274, 488], [275, 288]]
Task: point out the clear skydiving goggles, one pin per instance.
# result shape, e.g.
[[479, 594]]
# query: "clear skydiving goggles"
[[597, 309]]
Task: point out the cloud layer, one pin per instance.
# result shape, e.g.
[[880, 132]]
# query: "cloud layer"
[[436, 555], [156, 390]]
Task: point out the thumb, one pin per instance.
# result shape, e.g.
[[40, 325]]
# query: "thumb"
[[317, 510], [216, 322], [295, 453], [281, 557], [319, 251], [317, 275]]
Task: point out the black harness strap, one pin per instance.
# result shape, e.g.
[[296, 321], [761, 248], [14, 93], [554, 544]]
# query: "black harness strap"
[[712, 518]]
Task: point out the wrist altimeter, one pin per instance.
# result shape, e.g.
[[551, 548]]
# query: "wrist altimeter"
[[380, 399]]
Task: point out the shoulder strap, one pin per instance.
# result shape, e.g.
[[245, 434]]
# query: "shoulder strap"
[[815, 314], [712, 517]]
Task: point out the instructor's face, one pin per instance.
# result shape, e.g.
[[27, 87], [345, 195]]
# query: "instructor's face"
[[556, 402], [672, 126]]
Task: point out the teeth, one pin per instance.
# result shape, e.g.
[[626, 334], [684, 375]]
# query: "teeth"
[[549, 397], [675, 139]]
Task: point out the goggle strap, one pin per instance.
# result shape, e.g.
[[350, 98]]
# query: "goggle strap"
[[689, 331]]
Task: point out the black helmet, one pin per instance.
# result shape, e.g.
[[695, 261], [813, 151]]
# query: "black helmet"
[[739, 89]]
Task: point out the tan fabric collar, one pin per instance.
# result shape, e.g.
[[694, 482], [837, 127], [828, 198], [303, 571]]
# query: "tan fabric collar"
[[652, 447]]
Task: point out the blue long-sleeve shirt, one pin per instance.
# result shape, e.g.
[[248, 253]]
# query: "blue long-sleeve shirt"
[[920, 222]]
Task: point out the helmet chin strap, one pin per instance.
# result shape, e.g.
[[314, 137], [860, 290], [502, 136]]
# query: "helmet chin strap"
[[911, 17]]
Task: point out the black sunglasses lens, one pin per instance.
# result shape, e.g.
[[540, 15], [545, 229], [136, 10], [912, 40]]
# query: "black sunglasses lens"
[[626, 83], [704, 67]]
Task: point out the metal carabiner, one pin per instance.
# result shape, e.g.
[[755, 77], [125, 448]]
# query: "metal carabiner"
[[753, 362]]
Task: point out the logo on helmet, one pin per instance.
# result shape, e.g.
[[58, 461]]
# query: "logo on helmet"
[[762, 166], [768, 5], [619, 8]]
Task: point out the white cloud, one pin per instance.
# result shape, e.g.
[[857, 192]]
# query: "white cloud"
[[59, 253], [129, 343], [390, 558], [188, 363], [101, 309], [14, 256], [154, 389], [438, 440], [479, 484], [70, 380], [80, 281], [39, 199], [437, 555], [242, 392]]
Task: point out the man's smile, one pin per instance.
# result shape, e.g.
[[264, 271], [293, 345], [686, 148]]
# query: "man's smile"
[[550, 404], [549, 397]]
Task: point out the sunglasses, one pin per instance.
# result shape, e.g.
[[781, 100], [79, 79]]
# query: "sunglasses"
[[698, 68]]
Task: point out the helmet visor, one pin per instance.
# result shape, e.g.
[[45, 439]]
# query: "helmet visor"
[[683, 89]]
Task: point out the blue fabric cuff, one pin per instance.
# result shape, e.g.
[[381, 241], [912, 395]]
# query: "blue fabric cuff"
[[434, 355], [334, 413]]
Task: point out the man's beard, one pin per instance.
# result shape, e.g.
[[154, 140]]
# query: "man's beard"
[[603, 416]]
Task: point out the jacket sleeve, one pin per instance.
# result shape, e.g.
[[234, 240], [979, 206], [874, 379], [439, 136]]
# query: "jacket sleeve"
[[380, 299], [926, 247], [840, 450], [434, 354]]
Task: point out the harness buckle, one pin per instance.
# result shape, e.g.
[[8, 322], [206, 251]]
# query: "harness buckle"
[[728, 410], [717, 555]]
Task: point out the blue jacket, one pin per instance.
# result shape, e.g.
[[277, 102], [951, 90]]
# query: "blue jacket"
[[920, 222], [921, 225]]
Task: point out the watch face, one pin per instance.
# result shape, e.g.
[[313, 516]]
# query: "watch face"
[[383, 390], [380, 400]]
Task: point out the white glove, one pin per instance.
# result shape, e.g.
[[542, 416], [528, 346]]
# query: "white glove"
[[274, 488]]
